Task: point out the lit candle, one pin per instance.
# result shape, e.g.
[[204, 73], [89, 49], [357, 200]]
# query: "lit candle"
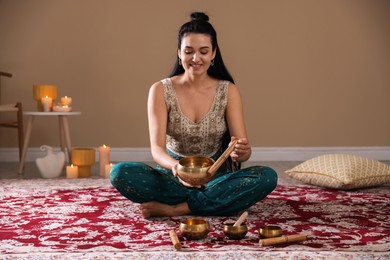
[[46, 103], [61, 108], [66, 101], [104, 158], [66, 108], [71, 171], [107, 170]]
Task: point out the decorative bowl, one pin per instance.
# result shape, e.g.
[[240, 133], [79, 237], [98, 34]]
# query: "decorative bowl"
[[193, 169], [236, 233], [194, 229], [270, 231]]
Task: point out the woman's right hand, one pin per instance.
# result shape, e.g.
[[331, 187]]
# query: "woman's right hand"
[[175, 173]]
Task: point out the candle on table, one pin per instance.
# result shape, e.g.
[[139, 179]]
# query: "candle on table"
[[104, 158], [66, 108], [46, 103], [107, 170], [71, 172], [61, 108], [66, 101]]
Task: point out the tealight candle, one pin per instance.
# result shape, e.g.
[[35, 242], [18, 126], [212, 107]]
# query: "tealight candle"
[[46, 103], [71, 172], [104, 158], [107, 170], [66, 101], [61, 108]]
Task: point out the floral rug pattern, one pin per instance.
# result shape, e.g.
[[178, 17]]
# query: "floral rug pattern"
[[88, 218]]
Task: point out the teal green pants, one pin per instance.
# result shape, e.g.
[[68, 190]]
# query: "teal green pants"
[[226, 194]]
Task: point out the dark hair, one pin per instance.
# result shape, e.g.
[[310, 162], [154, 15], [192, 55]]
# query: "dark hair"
[[200, 24]]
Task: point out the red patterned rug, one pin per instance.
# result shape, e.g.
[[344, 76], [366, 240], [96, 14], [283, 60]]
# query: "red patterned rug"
[[87, 218]]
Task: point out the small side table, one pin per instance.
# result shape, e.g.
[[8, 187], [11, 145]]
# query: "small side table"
[[64, 132]]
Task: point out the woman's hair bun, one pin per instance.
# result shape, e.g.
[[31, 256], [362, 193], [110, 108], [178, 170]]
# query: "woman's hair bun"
[[199, 16]]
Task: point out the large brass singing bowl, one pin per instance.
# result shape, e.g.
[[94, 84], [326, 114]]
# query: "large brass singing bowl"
[[193, 169], [194, 228]]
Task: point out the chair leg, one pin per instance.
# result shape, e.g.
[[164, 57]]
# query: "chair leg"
[[20, 128]]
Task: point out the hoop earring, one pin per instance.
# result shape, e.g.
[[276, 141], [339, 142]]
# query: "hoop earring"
[[212, 63], [180, 62]]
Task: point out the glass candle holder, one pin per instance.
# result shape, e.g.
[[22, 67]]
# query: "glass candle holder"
[[41, 91], [83, 158], [59, 107]]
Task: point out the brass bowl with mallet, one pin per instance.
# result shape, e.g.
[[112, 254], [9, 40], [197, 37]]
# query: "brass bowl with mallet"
[[238, 229], [198, 170]]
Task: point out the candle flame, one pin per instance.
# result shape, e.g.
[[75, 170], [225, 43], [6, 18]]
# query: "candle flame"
[[71, 165]]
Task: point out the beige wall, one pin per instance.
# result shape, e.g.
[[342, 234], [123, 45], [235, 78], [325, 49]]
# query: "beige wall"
[[311, 73]]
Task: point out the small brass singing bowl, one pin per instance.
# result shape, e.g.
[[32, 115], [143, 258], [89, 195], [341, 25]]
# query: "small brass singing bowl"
[[235, 233], [193, 169], [270, 231], [194, 229]]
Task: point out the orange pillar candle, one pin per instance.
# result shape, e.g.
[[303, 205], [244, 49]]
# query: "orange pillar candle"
[[71, 172], [104, 158], [66, 101], [107, 170]]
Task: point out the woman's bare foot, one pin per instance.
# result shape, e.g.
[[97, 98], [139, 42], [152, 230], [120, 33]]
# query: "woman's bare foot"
[[157, 209]]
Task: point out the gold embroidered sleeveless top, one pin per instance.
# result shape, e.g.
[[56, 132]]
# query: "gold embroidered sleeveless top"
[[204, 138]]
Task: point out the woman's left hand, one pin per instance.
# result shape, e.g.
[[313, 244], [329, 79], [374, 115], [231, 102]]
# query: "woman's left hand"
[[242, 150]]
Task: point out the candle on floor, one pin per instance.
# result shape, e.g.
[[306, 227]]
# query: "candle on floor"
[[46, 103], [71, 172], [104, 158], [66, 101], [107, 170]]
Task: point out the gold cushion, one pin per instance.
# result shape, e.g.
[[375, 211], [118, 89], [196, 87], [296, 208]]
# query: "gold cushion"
[[341, 171]]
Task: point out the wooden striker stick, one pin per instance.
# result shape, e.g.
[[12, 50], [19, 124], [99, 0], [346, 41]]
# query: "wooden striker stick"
[[282, 240], [241, 219], [175, 239], [213, 168]]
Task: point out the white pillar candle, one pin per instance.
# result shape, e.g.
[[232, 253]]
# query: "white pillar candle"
[[107, 170], [46, 103], [66, 101], [71, 171], [104, 158]]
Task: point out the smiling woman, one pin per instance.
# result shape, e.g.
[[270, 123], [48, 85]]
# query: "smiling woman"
[[196, 111], [196, 53]]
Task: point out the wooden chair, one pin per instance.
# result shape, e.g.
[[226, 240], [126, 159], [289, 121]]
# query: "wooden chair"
[[13, 123]]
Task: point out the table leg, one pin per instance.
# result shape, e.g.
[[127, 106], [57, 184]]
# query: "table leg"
[[65, 126], [62, 137], [25, 145]]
